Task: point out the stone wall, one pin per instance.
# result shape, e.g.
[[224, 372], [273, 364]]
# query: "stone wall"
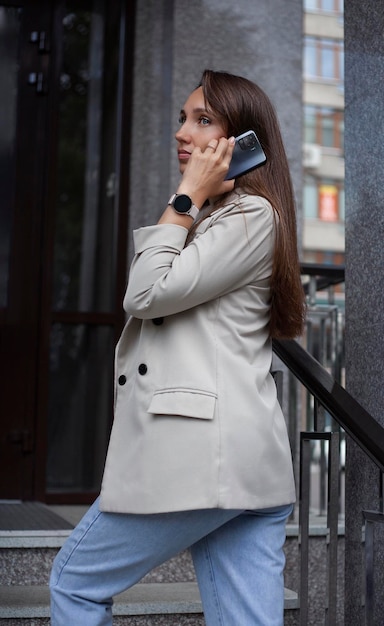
[[175, 41], [364, 157]]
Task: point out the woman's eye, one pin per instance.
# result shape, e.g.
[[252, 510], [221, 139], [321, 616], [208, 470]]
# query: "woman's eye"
[[204, 121]]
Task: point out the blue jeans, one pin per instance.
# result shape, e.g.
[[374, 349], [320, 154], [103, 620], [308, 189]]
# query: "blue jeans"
[[238, 558]]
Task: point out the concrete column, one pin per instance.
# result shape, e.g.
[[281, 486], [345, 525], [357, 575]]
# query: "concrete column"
[[364, 158]]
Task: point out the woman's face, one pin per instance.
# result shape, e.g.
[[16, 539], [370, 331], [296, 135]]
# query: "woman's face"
[[197, 127]]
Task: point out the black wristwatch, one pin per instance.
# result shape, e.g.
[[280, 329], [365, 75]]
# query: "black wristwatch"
[[183, 205]]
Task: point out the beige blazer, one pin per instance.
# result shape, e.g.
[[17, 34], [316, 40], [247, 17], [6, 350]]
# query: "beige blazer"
[[197, 422]]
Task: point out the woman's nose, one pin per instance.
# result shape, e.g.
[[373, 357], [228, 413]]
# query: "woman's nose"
[[182, 134]]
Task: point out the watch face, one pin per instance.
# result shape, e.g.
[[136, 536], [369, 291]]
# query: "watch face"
[[182, 203]]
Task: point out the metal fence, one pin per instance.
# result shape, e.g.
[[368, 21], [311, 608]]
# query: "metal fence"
[[317, 406]]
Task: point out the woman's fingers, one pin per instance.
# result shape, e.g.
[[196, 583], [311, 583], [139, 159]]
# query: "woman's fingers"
[[206, 170], [223, 147]]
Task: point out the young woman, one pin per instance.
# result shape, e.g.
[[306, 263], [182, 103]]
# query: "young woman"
[[199, 456]]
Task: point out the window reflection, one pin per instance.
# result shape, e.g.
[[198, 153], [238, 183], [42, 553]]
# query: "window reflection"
[[9, 66], [84, 246], [79, 406], [81, 354]]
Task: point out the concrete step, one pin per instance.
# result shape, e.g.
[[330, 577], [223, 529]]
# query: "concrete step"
[[145, 603], [26, 558], [167, 596]]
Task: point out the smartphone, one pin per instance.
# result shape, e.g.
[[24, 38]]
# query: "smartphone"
[[247, 155]]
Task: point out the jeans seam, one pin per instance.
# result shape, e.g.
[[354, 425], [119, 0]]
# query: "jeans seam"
[[86, 531], [213, 581]]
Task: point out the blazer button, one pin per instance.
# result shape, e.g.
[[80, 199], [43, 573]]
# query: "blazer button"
[[143, 369], [158, 321], [122, 379]]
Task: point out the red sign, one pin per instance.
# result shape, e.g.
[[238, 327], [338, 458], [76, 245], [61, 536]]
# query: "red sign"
[[328, 203]]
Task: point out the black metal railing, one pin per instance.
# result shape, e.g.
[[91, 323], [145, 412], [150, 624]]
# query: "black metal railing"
[[346, 411], [319, 414]]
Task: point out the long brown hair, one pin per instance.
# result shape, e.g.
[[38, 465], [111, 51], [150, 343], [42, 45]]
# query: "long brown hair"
[[242, 105]]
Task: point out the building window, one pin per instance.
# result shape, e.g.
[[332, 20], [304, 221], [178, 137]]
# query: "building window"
[[329, 6], [324, 199], [323, 58], [324, 126], [325, 257], [310, 200]]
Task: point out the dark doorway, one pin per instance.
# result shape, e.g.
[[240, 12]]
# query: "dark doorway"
[[64, 140]]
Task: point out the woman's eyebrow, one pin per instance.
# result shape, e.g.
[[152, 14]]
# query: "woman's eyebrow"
[[196, 110]]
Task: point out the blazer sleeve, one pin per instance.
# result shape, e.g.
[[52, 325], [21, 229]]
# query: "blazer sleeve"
[[167, 277]]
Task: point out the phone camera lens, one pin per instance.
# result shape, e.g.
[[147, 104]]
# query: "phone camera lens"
[[248, 142]]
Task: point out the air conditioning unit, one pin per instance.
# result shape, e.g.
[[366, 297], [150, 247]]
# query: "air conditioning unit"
[[311, 155]]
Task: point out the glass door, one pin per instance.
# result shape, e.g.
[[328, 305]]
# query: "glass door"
[[63, 242], [82, 331]]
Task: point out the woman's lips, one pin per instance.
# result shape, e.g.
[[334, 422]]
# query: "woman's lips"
[[183, 155]]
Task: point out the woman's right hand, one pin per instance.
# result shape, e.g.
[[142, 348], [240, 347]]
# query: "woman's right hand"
[[206, 170]]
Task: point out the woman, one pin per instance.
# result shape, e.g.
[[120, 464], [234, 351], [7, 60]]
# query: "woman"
[[199, 456]]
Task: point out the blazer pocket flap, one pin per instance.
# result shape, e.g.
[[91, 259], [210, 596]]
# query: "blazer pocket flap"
[[184, 402]]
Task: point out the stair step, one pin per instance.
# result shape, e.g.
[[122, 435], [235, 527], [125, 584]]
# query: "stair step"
[[21, 602]]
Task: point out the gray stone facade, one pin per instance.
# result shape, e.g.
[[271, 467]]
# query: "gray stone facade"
[[175, 41], [364, 155]]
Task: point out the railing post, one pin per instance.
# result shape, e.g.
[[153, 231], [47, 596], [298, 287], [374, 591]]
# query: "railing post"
[[332, 523], [332, 526], [305, 459]]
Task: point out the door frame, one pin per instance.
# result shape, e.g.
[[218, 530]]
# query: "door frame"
[[20, 319]]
